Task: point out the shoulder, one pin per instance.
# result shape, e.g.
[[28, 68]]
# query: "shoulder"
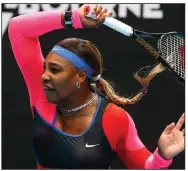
[[115, 118], [115, 112], [118, 118]]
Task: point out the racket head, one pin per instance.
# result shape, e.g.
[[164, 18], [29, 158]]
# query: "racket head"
[[172, 54]]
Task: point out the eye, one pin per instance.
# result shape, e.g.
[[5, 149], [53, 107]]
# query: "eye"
[[54, 70]]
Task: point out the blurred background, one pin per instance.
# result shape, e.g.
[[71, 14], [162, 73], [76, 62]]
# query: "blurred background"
[[164, 103]]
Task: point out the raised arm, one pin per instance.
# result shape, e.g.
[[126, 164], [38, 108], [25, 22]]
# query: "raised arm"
[[23, 32]]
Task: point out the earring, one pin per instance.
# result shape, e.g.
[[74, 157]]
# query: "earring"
[[93, 86], [77, 84]]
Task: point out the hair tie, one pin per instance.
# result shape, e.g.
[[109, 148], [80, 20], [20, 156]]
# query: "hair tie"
[[96, 78], [144, 91]]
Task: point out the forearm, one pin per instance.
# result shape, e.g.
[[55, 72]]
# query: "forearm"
[[36, 24], [135, 154]]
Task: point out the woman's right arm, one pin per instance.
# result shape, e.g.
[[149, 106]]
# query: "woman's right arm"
[[23, 32]]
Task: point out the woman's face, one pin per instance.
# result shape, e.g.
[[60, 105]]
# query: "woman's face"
[[59, 78]]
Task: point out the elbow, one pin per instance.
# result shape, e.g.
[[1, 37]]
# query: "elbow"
[[13, 26]]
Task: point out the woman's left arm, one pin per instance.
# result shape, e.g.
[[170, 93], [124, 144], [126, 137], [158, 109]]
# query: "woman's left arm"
[[133, 152], [122, 134]]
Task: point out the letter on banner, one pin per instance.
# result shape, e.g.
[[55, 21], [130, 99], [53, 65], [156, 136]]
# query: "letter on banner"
[[28, 8], [134, 8], [152, 11], [61, 7]]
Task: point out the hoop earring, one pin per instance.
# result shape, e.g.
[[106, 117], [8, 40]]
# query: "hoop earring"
[[77, 84]]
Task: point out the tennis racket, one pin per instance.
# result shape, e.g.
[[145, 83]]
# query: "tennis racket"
[[170, 46]]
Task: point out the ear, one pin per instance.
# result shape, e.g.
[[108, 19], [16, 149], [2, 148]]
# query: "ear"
[[82, 76]]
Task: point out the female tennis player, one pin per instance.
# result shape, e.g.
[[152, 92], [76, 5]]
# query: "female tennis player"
[[78, 121]]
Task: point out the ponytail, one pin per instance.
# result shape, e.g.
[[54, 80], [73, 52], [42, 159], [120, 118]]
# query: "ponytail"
[[106, 88]]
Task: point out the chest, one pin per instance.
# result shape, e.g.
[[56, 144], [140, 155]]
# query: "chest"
[[74, 125], [59, 150]]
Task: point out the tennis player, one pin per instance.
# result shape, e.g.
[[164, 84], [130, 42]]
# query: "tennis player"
[[78, 121]]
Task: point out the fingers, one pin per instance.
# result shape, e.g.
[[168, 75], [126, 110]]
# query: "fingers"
[[94, 8], [180, 122], [169, 128], [109, 14], [101, 17], [98, 10], [104, 10], [104, 15], [100, 13]]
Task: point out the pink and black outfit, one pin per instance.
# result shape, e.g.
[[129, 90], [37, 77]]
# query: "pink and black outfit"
[[112, 131]]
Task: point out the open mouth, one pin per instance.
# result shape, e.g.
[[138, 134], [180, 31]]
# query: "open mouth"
[[47, 88]]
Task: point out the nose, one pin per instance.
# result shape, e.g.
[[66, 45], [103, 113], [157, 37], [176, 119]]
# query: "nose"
[[45, 78]]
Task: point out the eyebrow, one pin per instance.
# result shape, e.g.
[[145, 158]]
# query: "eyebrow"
[[53, 64]]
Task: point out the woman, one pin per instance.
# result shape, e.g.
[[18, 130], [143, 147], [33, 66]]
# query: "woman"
[[78, 121]]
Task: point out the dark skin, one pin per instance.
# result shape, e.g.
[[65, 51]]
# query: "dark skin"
[[60, 75]]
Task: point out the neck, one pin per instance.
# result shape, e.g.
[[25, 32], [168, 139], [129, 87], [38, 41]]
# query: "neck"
[[77, 99]]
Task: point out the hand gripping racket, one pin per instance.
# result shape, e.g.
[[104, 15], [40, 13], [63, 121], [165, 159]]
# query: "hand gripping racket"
[[170, 46]]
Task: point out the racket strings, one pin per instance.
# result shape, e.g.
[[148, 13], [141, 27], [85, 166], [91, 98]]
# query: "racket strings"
[[172, 49]]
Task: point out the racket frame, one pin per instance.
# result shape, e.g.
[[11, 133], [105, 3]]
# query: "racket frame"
[[138, 35]]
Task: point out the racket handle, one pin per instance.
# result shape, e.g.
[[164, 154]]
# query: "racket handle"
[[112, 23]]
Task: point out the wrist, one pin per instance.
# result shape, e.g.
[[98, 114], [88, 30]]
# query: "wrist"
[[71, 19], [68, 19], [160, 153], [156, 161]]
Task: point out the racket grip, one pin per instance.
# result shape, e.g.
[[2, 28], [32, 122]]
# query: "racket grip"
[[112, 23]]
